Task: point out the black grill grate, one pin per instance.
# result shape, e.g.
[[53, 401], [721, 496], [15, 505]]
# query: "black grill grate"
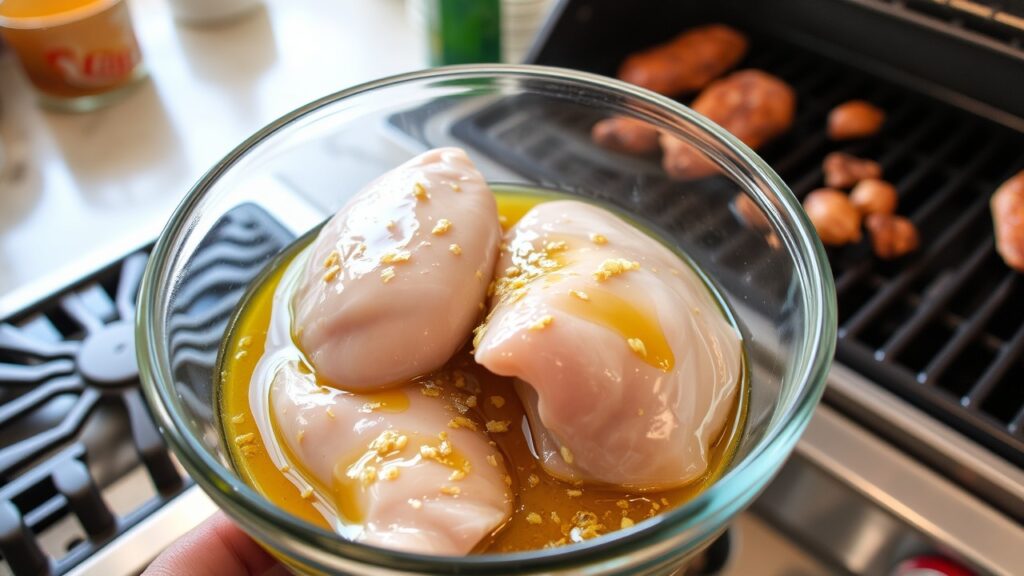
[[943, 328], [73, 422]]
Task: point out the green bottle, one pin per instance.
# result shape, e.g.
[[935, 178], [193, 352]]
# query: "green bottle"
[[464, 31]]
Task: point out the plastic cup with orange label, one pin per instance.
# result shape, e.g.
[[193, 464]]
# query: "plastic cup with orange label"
[[78, 54]]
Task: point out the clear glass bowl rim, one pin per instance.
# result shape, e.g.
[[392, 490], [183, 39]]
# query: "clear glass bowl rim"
[[698, 516]]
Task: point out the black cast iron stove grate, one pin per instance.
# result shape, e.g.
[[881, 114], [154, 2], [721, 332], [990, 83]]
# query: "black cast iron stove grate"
[[73, 421], [943, 328]]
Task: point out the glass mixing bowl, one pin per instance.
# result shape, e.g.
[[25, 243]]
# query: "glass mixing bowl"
[[522, 125]]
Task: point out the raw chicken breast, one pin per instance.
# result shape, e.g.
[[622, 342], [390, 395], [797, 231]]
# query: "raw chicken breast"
[[398, 474], [396, 278], [629, 368], [408, 468]]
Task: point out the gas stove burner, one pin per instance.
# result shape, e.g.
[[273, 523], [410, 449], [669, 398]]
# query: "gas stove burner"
[[59, 368], [73, 422], [107, 357]]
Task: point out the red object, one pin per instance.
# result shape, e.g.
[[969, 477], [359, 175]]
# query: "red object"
[[931, 566]]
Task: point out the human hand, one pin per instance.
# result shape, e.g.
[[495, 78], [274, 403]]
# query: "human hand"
[[215, 548]]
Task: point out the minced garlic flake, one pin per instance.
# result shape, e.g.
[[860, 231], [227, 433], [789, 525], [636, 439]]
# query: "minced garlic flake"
[[300, 435], [471, 401], [580, 294], [556, 246], [250, 450], [624, 504], [389, 473], [396, 257], [455, 187], [534, 518], [598, 239], [478, 334], [573, 493], [555, 517], [492, 460], [387, 442], [508, 480], [243, 439], [455, 249], [626, 523], [462, 422], [502, 219], [442, 226], [241, 354], [451, 490], [542, 322], [387, 274], [330, 413], [415, 503], [497, 426], [456, 475], [332, 259], [479, 275], [306, 493], [285, 469], [238, 419], [533, 480], [332, 273], [445, 447], [585, 526], [244, 341], [665, 501], [637, 345], [613, 267], [430, 389], [566, 454], [420, 192], [390, 225], [368, 475]]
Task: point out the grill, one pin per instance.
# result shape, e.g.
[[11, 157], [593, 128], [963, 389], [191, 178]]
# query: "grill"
[[1002, 21], [942, 328], [69, 393]]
